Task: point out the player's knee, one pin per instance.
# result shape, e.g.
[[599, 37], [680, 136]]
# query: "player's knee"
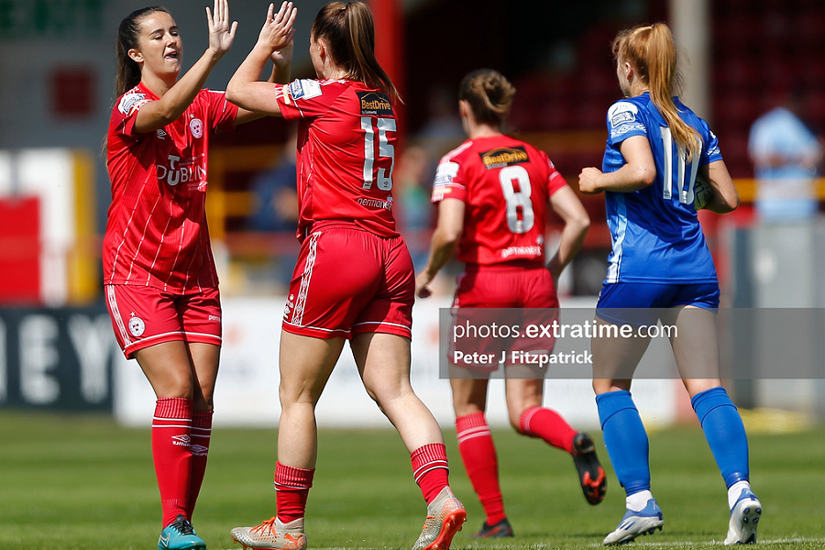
[[515, 422]]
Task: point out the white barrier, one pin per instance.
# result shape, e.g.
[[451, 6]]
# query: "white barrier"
[[247, 387]]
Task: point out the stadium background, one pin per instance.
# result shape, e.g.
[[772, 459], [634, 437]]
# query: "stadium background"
[[56, 80]]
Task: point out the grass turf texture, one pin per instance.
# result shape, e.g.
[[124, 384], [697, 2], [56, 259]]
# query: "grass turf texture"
[[84, 483]]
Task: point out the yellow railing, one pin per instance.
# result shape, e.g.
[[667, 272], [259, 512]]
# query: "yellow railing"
[[747, 189], [222, 203]]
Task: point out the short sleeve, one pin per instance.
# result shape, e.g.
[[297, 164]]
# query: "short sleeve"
[[555, 180], [125, 112], [303, 98], [222, 112], [448, 182], [623, 121], [714, 153]]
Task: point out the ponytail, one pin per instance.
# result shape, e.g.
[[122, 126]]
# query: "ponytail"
[[652, 53], [350, 33], [128, 72], [489, 95]]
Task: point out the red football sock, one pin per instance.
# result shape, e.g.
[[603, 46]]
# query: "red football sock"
[[292, 486], [549, 426], [429, 464], [199, 447], [171, 428], [475, 443]]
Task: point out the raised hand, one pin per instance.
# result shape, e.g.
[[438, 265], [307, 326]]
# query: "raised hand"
[[283, 56], [278, 32], [221, 34]]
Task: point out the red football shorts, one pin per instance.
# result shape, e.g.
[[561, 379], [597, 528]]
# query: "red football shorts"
[[349, 281], [525, 290], [144, 316], [522, 285]]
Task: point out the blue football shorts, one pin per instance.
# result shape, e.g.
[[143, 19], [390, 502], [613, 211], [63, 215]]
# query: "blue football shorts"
[[635, 303]]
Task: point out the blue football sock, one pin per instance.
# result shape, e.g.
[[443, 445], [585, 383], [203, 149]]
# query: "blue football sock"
[[725, 433], [625, 439]]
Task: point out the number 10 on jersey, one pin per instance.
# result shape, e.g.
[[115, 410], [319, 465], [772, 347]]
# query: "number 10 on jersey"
[[381, 177]]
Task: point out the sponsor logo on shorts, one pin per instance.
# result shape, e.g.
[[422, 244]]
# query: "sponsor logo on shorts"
[[375, 104], [136, 326], [290, 303], [196, 127], [504, 156], [215, 318]]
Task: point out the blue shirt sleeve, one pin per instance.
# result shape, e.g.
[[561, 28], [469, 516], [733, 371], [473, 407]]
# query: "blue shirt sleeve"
[[624, 121]]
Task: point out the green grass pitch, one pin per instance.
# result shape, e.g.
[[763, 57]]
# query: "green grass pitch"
[[84, 483]]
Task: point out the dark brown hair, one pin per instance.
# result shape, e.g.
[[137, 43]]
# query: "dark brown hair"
[[128, 72], [489, 94], [350, 34]]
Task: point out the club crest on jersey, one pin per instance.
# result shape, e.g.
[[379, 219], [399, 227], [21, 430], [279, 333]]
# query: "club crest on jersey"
[[504, 156], [137, 326], [374, 104], [196, 127], [305, 89]]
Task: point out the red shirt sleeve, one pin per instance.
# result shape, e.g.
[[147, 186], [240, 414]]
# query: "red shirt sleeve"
[[306, 98], [450, 180], [555, 180], [222, 112], [126, 110]]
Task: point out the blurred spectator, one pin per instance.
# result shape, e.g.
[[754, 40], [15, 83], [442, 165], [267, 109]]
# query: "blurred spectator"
[[786, 155], [443, 129], [275, 191], [275, 210], [415, 213]]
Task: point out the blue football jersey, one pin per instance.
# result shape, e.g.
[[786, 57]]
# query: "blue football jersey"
[[655, 232]]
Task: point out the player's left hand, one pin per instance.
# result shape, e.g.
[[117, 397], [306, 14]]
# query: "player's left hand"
[[278, 32], [221, 33]]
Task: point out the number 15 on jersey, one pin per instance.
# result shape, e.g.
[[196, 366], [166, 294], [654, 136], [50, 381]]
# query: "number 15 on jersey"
[[381, 177]]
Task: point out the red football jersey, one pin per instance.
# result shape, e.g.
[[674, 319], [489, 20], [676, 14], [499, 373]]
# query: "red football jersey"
[[156, 234], [506, 185], [346, 152]]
